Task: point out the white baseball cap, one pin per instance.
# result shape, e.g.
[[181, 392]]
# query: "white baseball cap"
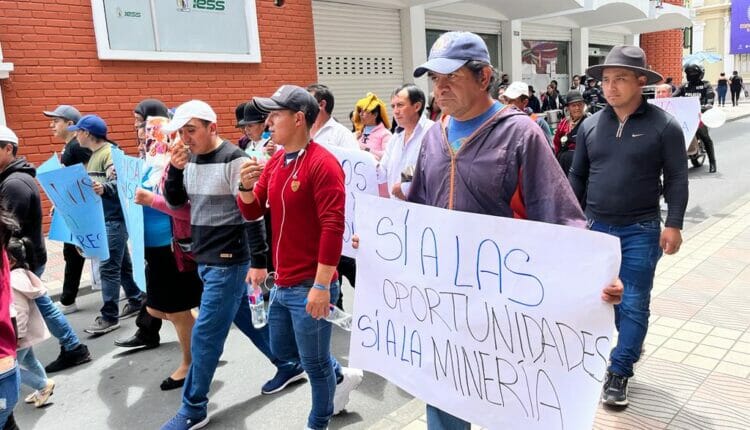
[[516, 90], [7, 135], [187, 111]]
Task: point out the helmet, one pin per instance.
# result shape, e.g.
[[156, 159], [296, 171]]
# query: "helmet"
[[694, 72]]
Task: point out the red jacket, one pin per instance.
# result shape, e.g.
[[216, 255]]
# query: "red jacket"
[[307, 212]]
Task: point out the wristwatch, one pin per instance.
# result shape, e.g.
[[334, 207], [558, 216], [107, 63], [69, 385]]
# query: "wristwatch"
[[240, 187]]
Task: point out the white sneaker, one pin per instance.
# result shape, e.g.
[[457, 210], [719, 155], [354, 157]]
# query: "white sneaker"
[[67, 309], [352, 379], [31, 398]]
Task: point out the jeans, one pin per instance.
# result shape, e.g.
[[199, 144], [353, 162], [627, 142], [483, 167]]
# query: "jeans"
[[640, 249], [32, 371], [117, 270], [224, 300], [297, 337], [73, 270], [57, 323], [438, 419], [10, 386], [722, 91]]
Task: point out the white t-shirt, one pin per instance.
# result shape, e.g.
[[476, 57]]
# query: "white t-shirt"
[[399, 154], [334, 134]]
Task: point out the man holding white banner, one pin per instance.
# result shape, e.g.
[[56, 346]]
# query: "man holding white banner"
[[490, 160], [621, 154]]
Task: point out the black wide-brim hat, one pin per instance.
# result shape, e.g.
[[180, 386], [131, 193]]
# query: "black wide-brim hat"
[[625, 57]]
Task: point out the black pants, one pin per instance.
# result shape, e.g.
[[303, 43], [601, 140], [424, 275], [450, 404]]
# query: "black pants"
[[347, 268], [702, 134], [736, 96], [148, 326], [73, 270]]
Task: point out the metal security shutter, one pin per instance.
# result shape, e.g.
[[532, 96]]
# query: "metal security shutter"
[[606, 38], [448, 22], [531, 31], [358, 51]]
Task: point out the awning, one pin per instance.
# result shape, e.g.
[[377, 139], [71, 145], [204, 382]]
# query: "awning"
[[499, 9], [661, 17], [599, 13]]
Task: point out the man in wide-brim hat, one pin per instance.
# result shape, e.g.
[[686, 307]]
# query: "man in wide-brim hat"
[[621, 153]]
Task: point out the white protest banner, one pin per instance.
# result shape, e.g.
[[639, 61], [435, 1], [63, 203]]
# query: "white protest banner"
[[687, 111], [360, 178], [495, 320]]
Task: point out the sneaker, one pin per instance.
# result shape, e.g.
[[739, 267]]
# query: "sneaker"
[[31, 398], [282, 379], [181, 422], [67, 359], [615, 390], [43, 396], [102, 326], [67, 309], [352, 379], [129, 310]]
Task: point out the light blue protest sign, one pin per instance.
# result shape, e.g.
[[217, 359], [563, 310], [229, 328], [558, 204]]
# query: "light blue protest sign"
[[71, 190], [53, 163], [59, 231], [129, 173]]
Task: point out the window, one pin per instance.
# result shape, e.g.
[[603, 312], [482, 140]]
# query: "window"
[[177, 30], [687, 38], [492, 41], [546, 57]]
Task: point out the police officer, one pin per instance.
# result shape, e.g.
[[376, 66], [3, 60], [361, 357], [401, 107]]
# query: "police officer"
[[593, 95], [697, 87]]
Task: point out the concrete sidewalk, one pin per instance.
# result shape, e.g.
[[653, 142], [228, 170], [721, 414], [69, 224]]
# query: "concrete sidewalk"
[[695, 372]]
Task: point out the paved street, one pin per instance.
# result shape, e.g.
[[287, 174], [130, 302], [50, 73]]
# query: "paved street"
[[694, 375]]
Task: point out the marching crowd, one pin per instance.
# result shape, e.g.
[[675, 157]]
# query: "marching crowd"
[[220, 216]]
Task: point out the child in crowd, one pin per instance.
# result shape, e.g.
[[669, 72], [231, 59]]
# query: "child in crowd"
[[31, 330]]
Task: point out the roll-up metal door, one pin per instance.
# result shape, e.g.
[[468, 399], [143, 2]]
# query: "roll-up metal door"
[[531, 31], [606, 38], [358, 51]]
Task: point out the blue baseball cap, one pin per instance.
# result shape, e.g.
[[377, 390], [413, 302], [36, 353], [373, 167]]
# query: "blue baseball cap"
[[93, 124], [451, 51]]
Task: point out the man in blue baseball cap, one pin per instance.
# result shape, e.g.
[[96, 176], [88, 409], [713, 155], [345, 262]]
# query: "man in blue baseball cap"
[[525, 180], [91, 132]]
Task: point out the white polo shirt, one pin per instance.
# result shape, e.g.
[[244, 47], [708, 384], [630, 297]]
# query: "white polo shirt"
[[334, 134], [399, 154]]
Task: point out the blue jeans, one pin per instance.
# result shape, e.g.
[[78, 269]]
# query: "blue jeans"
[[56, 322], [297, 337], [438, 419], [117, 270], [10, 385], [722, 91], [32, 371], [640, 250], [224, 300]]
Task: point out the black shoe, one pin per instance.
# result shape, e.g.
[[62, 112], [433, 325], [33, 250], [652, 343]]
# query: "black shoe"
[[171, 384], [137, 341], [68, 359], [712, 168], [129, 310], [615, 390]]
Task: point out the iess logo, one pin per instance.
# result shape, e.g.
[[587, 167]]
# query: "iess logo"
[[213, 5]]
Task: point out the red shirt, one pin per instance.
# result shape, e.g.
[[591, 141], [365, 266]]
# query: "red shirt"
[[307, 212], [7, 334]]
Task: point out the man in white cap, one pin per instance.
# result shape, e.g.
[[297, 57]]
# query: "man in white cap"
[[517, 94], [622, 153], [205, 171], [19, 194]]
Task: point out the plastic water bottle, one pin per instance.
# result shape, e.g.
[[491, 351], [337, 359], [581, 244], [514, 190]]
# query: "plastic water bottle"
[[258, 312], [340, 318]]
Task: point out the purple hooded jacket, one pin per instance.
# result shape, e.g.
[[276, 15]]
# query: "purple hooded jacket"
[[505, 168]]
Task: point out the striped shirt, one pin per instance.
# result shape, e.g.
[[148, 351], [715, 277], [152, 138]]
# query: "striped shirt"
[[220, 234]]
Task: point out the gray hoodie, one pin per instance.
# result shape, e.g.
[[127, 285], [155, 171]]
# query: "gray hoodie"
[[505, 168]]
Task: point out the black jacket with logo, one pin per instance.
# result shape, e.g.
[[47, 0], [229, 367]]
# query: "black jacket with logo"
[[617, 167]]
